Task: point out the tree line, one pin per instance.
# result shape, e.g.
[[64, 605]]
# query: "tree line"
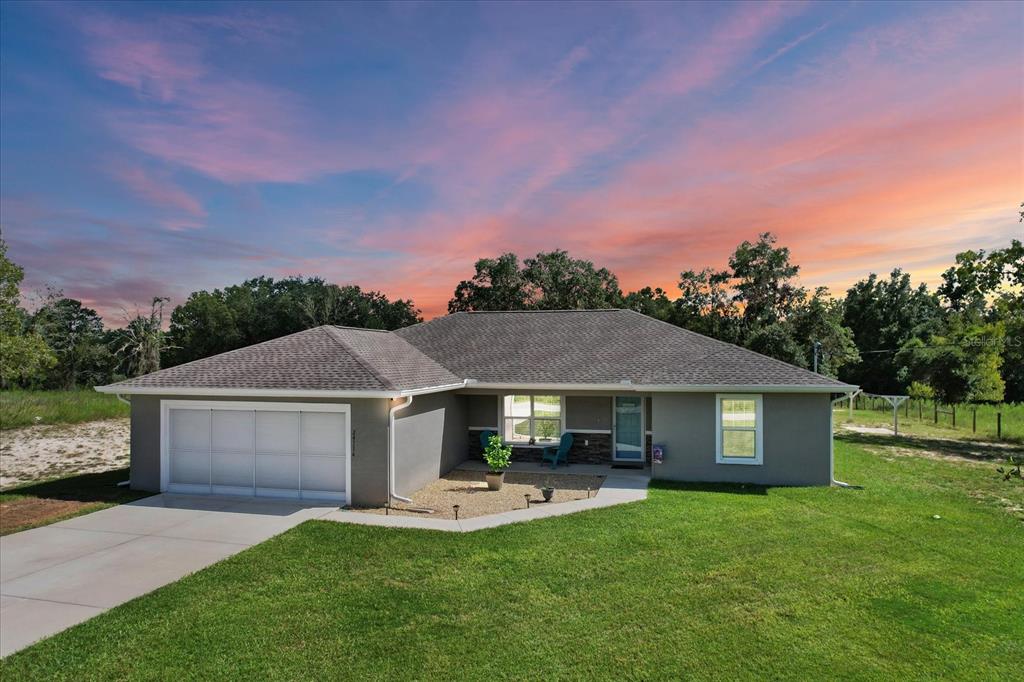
[[962, 342]]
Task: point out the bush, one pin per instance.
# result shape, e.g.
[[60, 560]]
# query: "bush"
[[497, 454]]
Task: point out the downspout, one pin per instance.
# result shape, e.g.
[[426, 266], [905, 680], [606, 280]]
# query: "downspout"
[[122, 399], [391, 450], [832, 444]]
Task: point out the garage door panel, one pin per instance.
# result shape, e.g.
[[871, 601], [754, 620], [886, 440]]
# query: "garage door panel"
[[190, 467], [232, 431], [227, 447], [323, 473], [277, 471], [277, 433], [190, 430], [233, 469], [323, 433]]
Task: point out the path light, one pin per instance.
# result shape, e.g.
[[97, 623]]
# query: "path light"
[[527, 496], [456, 508], [588, 492]]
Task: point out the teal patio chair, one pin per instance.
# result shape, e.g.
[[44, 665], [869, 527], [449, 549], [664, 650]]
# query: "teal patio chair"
[[485, 439], [561, 453]]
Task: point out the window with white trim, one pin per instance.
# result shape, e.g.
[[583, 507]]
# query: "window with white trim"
[[536, 417], [739, 425]]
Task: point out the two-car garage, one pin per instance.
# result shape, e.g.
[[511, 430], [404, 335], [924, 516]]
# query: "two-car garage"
[[291, 450]]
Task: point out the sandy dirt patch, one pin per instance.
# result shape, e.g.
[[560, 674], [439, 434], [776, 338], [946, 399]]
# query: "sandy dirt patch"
[[468, 489], [34, 453], [31, 511]]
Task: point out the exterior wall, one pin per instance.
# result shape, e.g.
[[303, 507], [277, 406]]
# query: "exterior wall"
[[796, 440], [588, 412], [430, 439], [482, 410], [369, 442]]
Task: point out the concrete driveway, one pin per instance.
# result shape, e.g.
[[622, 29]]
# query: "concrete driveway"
[[54, 577]]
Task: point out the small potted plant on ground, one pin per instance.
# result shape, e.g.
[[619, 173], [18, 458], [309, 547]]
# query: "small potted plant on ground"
[[497, 455], [548, 491]]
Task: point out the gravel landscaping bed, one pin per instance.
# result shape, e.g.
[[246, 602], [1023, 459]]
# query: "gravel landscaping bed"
[[468, 489]]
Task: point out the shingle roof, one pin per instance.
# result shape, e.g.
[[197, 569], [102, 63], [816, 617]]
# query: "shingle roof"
[[537, 347], [593, 346], [319, 359]]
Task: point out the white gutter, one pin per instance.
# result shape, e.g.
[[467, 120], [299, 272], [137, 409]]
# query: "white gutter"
[[122, 399], [391, 450], [272, 392], [666, 388]]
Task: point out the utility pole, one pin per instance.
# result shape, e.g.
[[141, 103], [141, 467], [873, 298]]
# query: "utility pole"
[[817, 349]]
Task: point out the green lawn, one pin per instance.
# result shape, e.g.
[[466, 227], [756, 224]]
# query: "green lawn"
[[706, 582], [40, 504], [24, 408]]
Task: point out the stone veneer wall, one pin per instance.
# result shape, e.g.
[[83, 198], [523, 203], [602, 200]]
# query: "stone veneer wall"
[[597, 451]]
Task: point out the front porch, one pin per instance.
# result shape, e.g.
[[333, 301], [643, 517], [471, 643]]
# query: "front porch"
[[608, 470]]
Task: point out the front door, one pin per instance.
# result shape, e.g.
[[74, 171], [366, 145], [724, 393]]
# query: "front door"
[[629, 429]]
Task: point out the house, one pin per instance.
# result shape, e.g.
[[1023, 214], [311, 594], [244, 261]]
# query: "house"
[[342, 413]]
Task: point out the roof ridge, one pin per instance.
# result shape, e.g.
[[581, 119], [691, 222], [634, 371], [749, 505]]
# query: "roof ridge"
[[357, 356], [540, 310]]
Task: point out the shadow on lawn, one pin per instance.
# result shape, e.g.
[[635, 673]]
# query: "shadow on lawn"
[[730, 488], [101, 487], [979, 451]]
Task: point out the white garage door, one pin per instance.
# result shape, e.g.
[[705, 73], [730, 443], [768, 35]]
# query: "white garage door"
[[296, 450]]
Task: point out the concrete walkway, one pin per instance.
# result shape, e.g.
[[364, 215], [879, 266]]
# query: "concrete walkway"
[[616, 489], [54, 577]]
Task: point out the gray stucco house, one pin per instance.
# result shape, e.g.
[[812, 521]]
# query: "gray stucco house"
[[342, 413]]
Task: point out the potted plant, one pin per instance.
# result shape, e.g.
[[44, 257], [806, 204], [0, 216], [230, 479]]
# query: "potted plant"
[[497, 455], [548, 491]]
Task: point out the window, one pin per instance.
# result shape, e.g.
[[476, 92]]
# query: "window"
[[738, 439], [532, 416]]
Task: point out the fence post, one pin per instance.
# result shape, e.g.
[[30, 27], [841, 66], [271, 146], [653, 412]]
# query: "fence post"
[[974, 421], [920, 410], [936, 403], [999, 425], [953, 407]]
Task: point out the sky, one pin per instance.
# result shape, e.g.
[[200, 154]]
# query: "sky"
[[157, 149]]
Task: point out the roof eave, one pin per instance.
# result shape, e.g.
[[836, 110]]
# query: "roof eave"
[[272, 392], [668, 388]]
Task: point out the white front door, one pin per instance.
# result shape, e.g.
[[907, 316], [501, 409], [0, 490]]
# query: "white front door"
[[629, 436], [295, 450]]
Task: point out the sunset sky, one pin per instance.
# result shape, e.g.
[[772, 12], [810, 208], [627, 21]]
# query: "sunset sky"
[[153, 149]]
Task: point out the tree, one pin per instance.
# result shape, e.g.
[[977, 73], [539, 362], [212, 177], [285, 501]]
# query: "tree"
[[141, 341], [706, 306], [763, 280], [549, 281], [262, 308], [499, 284], [75, 335], [776, 340], [818, 320], [24, 355], [883, 315], [651, 302], [961, 363], [563, 283]]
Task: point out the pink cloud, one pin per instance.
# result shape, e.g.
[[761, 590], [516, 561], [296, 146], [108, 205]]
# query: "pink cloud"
[[162, 192]]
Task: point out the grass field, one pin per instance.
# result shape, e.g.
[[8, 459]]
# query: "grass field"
[[47, 502], [919, 419], [24, 408], [701, 582]]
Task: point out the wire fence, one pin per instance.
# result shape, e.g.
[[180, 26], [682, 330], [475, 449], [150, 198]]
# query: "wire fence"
[[1002, 421]]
